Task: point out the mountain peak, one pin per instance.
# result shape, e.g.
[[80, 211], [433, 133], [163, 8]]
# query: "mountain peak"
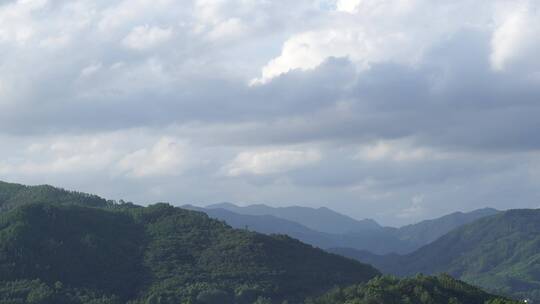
[[320, 219], [223, 205]]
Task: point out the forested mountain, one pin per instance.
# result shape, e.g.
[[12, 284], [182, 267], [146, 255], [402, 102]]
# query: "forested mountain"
[[58, 246], [425, 232], [500, 253], [14, 195], [318, 219], [51, 253], [375, 239], [418, 290]]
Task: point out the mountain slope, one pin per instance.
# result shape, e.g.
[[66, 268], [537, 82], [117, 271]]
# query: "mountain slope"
[[14, 195], [157, 254], [425, 232], [442, 289], [500, 253], [320, 219]]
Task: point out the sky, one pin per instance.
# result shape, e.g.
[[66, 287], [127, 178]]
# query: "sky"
[[396, 110]]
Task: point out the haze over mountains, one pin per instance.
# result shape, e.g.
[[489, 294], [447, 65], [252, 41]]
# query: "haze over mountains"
[[325, 228], [320, 219]]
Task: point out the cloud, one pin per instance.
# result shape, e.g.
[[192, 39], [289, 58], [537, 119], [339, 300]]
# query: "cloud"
[[91, 69], [271, 161], [396, 151], [516, 34], [145, 37], [349, 6], [357, 105], [166, 157], [228, 29]]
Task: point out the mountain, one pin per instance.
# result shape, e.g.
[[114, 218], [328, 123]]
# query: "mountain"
[[425, 232], [442, 289], [372, 238], [14, 195], [269, 224], [63, 253], [500, 253], [318, 219], [60, 247]]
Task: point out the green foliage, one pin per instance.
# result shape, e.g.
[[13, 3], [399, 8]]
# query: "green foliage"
[[86, 247], [65, 247], [419, 290], [15, 195], [53, 253], [500, 253], [188, 249], [38, 292]]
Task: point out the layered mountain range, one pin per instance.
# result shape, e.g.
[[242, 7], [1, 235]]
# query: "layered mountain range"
[[325, 228], [59, 246], [496, 250]]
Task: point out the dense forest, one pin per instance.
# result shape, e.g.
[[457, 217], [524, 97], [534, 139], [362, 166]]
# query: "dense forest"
[[68, 253], [58, 247], [16, 195], [418, 290]]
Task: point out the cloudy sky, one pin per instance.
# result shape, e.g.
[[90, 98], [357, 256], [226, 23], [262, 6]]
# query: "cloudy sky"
[[397, 110]]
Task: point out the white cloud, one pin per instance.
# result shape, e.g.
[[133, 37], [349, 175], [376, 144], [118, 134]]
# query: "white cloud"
[[228, 29], [517, 33], [372, 32], [271, 161], [91, 69], [349, 6], [124, 13], [146, 37], [308, 50], [167, 157], [378, 31], [16, 22], [397, 151], [63, 156], [55, 42]]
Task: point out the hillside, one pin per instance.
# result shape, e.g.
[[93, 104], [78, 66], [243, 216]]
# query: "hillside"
[[158, 254], [14, 195], [500, 253], [442, 289], [425, 232]]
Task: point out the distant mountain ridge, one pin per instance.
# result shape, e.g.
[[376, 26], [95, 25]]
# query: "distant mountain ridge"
[[366, 234], [319, 219]]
